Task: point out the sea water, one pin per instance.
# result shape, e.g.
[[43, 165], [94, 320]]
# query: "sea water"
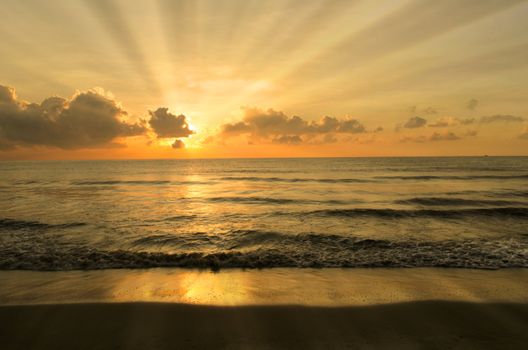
[[468, 212]]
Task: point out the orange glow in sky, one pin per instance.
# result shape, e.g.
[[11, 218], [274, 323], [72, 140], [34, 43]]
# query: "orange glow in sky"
[[239, 78]]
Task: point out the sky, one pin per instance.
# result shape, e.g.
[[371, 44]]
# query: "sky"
[[113, 79]]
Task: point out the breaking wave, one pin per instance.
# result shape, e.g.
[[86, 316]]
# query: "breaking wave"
[[271, 200], [450, 201], [519, 212], [22, 224], [135, 182], [267, 250], [286, 179], [454, 177]]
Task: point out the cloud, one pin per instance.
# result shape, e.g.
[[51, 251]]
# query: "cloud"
[[430, 110], [287, 139], [472, 104], [524, 134], [280, 128], [89, 119], [415, 122], [177, 144], [502, 118], [445, 122], [447, 136], [166, 124], [418, 139]]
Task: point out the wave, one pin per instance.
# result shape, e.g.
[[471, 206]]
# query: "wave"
[[268, 249], [270, 200], [520, 212], [136, 182], [449, 201], [454, 177], [12, 224], [256, 200], [285, 179]]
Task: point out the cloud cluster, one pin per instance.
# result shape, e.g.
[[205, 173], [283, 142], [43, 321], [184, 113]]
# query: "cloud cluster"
[[168, 125], [415, 122], [280, 128], [87, 120], [444, 122]]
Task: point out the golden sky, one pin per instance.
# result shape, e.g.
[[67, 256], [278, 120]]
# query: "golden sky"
[[253, 78]]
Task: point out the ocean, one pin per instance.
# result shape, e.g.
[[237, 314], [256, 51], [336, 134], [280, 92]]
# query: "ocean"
[[463, 212]]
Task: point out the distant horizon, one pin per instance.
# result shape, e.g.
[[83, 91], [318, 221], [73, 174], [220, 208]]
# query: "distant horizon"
[[270, 158]]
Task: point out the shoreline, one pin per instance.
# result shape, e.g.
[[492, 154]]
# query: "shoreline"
[[264, 309], [278, 286]]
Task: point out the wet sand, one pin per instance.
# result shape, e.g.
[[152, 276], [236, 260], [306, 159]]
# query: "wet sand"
[[425, 325], [265, 309]]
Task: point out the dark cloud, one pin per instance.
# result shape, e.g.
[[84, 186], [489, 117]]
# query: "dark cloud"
[[87, 120], [447, 136], [288, 139], [502, 118], [177, 144], [166, 124], [280, 128], [472, 104], [415, 122]]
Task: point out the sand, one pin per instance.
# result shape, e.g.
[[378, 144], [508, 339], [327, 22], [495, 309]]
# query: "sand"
[[234, 309], [429, 325]]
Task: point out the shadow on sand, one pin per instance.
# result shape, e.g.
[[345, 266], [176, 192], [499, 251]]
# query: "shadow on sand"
[[430, 324]]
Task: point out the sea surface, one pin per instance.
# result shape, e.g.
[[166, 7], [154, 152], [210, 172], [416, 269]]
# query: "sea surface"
[[466, 212]]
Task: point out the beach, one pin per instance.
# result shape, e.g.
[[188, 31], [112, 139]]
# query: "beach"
[[265, 309]]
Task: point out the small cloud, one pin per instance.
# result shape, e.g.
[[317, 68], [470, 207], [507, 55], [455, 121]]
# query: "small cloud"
[[472, 104], [166, 124], [429, 110], [418, 139], [177, 144], [524, 134], [444, 122], [502, 118], [448, 136], [472, 133], [415, 122], [288, 139], [450, 121]]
